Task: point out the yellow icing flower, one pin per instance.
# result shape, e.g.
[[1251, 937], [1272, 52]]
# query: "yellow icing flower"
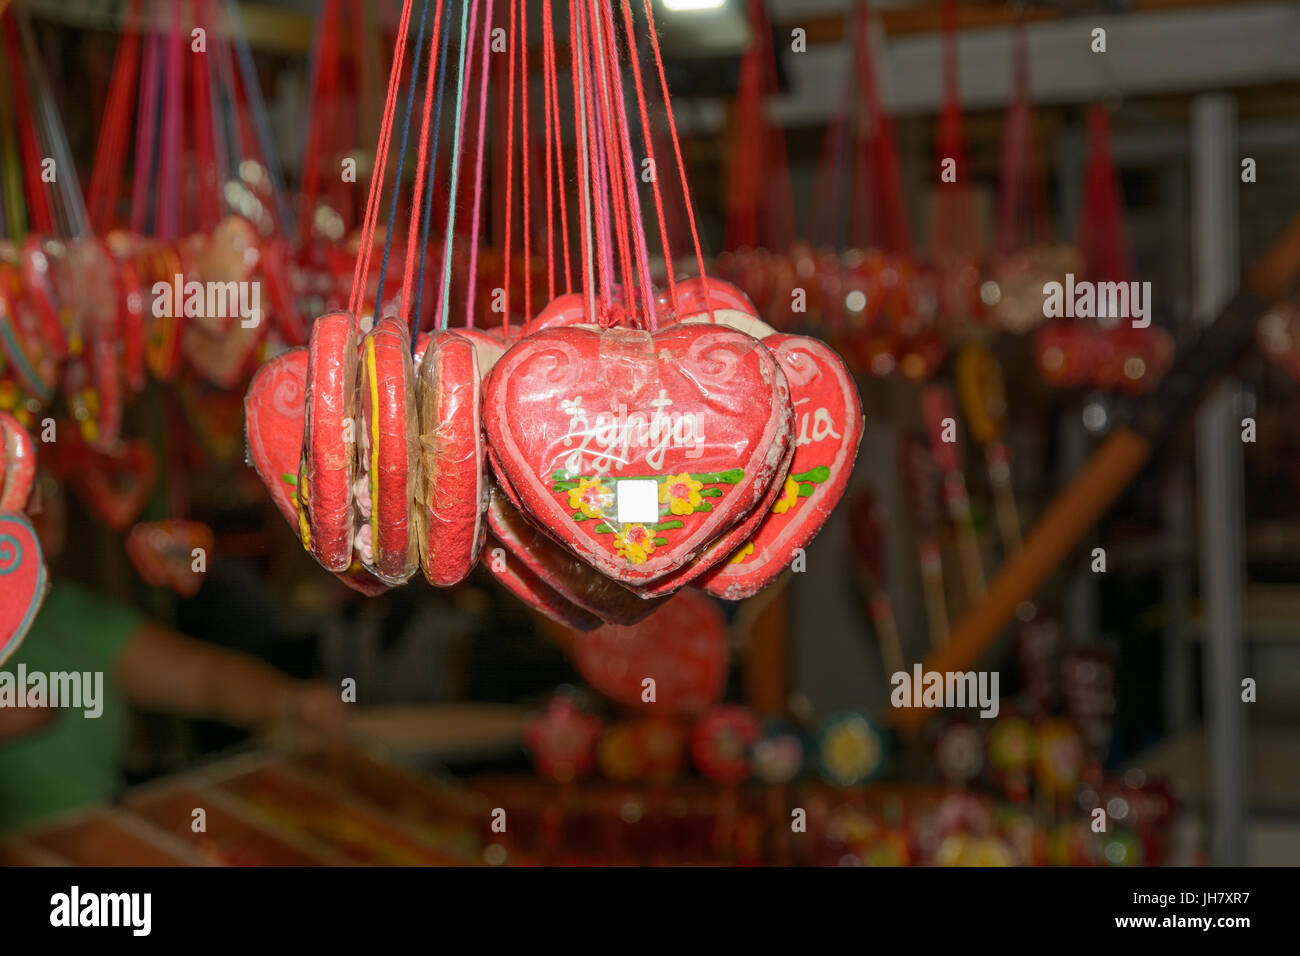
[[681, 493], [789, 497], [634, 543], [591, 497], [743, 553]]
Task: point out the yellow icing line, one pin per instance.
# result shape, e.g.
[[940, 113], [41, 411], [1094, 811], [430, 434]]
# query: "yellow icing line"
[[374, 437]]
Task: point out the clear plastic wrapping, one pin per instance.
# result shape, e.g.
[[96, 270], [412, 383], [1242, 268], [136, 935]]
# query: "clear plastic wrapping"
[[636, 451], [388, 456], [453, 491], [327, 468]]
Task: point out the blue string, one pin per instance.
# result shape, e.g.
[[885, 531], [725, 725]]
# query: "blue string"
[[261, 124], [455, 166], [426, 219], [401, 158]]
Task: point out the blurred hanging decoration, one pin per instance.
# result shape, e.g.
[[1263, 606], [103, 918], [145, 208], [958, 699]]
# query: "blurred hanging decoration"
[[1025, 256], [22, 564], [956, 243], [876, 301], [1107, 352], [759, 246]]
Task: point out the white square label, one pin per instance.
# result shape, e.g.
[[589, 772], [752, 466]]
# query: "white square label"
[[638, 501]]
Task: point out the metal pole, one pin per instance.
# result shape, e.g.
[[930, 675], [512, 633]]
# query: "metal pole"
[[1219, 464]]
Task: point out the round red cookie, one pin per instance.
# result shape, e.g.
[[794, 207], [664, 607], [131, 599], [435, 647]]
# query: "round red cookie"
[[388, 455], [327, 467], [454, 489], [571, 413], [273, 422]]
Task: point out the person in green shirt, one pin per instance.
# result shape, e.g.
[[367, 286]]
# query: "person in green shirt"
[[57, 758]]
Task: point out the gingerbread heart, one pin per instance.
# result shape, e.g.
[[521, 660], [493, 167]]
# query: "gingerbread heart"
[[487, 347], [116, 486], [23, 581], [39, 260], [327, 468], [595, 432], [828, 430], [574, 580], [682, 646], [27, 352], [130, 320], [388, 455], [171, 554], [454, 487], [533, 591], [273, 423], [18, 458]]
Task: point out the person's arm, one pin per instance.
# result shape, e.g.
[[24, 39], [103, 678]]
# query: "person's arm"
[[163, 671], [20, 721]]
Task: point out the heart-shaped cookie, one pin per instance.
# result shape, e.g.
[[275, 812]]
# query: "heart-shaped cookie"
[[682, 646], [454, 487], [388, 455], [328, 465], [828, 429], [116, 486], [17, 464], [574, 580], [164, 554], [273, 421], [23, 580], [637, 451], [27, 353], [515, 576]]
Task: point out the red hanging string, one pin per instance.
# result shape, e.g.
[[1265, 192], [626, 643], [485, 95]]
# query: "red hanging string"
[[356, 300], [510, 156], [618, 188], [548, 135], [423, 160], [629, 169], [524, 161], [647, 136], [583, 155], [478, 165], [554, 108], [110, 151], [38, 200], [677, 150], [1102, 240]]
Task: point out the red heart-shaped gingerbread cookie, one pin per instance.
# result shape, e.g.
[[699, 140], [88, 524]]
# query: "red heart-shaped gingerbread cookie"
[[23, 580], [828, 429], [682, 647], [637, 451], [328, 465], [273, 417]]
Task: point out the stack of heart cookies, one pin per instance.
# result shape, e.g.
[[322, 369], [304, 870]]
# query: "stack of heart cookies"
[[607, 465]]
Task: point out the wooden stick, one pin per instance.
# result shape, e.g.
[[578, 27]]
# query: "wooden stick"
[[1113, 465]]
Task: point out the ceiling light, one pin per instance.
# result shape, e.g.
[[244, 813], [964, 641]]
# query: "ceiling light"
[[683, 6]]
